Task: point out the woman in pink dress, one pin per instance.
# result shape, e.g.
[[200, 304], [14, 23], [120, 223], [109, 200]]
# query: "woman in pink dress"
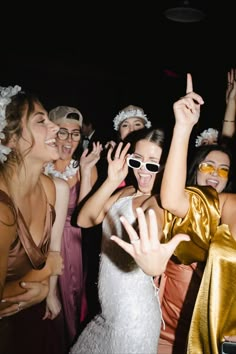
[[80, 173]]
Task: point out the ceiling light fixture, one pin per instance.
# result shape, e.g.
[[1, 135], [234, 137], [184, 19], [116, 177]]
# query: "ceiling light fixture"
[[184, 13]]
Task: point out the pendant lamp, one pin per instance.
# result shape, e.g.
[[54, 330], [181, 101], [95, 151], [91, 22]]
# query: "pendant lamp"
[[184, 12]]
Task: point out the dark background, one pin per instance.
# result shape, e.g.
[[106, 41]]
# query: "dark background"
[[107, 56]]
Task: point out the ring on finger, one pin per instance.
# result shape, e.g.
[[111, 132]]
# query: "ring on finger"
[[19, 307], [135, 240]]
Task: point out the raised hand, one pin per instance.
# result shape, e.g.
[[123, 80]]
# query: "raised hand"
[[109, 144], [187, 108], [89, 160], [117, 167], [145, 247], [230, 93]]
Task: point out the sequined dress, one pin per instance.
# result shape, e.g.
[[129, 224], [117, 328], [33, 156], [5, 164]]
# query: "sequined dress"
[[130, 317]]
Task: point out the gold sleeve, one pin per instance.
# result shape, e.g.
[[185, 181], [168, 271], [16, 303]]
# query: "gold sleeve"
[[200, 223]]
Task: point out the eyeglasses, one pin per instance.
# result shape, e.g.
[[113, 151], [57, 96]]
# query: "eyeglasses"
[[206, 167], [137, 164], [63, 134]]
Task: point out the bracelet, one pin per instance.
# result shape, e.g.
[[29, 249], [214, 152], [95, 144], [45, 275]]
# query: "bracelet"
[[230, 121]]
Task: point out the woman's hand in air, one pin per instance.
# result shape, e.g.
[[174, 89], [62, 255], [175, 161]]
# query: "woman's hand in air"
[[145, 247]]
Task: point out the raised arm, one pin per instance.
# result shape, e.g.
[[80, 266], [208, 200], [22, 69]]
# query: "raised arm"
[[187, 112], [88, 169], [94, 209], [228, 128]]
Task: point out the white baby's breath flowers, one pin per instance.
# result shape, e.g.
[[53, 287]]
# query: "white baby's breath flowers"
[[5, 98], [207, 137], [69, 172], [134, 113]]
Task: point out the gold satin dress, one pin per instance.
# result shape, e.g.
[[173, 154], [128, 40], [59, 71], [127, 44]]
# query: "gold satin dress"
[[214, 315]]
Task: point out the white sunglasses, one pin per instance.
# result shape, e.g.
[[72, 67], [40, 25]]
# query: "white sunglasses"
[[153, 167]]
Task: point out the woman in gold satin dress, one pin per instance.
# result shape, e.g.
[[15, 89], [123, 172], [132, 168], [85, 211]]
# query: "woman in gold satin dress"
[[179, 284], [209, 219]]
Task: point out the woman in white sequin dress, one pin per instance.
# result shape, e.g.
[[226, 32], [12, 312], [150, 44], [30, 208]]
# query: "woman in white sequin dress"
[[130, 317]]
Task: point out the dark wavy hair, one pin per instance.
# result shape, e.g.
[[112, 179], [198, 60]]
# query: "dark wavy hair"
[[199, 154]]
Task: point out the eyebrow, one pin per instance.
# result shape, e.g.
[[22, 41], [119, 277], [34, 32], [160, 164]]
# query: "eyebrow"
[[127, 120], [73, 130], [150, 157], [39, 113], [213, 162]]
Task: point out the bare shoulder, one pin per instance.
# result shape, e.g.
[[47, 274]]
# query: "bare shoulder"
[[227, 202], [8, 214], [228, 211], [8, 224]]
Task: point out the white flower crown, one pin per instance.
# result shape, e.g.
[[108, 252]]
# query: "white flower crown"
[[130, 114], [5, 94], [207, 137]]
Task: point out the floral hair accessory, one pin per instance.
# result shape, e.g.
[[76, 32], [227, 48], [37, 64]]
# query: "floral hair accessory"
[[207, 137], [5, 98], [132, 113]]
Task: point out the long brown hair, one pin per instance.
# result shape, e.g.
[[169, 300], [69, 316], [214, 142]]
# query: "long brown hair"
[[21, 104]]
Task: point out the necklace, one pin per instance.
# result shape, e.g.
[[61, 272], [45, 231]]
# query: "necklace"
[[69, 172]]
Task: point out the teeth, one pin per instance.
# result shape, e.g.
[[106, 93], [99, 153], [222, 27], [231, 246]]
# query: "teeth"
[[212, 181], [50, 141], [144, 175]]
